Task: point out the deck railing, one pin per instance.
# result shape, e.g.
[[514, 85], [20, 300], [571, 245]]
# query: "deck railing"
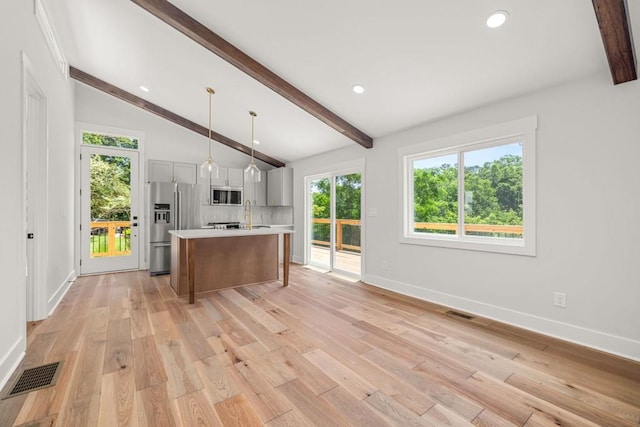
[[110, 238], [340, 245], [515, 230], [511, 230]]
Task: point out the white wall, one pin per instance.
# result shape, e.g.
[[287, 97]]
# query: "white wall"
[[22, 33], [588, 209]]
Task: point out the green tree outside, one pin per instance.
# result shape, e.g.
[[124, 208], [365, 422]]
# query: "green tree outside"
[[110, 188], [110, 178], [493, 194], [348, 196]]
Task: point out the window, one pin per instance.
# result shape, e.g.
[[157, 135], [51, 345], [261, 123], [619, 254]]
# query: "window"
[[104, 140], [472, 191]]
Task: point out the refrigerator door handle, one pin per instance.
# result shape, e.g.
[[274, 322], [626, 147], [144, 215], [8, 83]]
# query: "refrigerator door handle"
[[158, 245], [176, 211], [179, 210]]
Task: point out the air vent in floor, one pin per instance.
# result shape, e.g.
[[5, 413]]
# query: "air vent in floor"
[[458, 314], [35, 378]]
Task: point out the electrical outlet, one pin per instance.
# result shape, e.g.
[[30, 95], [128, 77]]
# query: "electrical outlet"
[[560, 299], [385, 265]]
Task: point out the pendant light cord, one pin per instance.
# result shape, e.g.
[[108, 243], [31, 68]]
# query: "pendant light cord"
[[211, 92], [253, 117]]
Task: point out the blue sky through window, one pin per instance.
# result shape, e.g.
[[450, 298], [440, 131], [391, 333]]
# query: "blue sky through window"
[[434, 162], [484, 155], [471, 158]]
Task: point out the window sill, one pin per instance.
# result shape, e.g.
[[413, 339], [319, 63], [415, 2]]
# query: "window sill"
[[503, 246]]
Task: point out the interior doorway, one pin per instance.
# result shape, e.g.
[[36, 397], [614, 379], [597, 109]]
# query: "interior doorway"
[[34, 190], [334, 237], [109, 236]]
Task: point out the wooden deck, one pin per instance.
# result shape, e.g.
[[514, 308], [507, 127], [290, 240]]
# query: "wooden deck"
[[346, 261], [321, 352]]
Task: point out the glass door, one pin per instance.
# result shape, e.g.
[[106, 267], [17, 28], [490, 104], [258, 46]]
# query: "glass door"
[[335, 230], [109, 196], [320, 223], [347, 226]]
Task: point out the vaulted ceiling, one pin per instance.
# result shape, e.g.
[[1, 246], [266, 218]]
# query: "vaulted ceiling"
[[418, 60]]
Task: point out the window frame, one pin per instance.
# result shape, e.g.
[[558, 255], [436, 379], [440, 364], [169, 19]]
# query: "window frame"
[[522, 130]]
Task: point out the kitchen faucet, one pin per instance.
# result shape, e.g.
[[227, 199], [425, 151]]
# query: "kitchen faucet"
[[248, 213]]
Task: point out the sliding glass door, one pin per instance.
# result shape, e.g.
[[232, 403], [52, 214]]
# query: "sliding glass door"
[[335, 229], [320, 223]]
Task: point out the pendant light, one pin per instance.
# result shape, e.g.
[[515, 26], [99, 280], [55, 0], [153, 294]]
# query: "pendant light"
[[252, 173], [209, 168]]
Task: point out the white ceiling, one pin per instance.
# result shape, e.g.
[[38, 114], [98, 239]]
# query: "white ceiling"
[[419, 60]]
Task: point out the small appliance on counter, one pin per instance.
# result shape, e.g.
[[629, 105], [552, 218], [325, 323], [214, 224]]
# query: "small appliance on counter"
[[174, 206]]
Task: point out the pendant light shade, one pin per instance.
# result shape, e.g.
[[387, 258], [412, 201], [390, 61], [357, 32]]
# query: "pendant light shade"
[[251, 172], [209, 168]]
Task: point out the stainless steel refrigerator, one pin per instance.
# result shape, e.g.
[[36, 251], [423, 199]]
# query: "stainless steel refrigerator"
[[174, 206]]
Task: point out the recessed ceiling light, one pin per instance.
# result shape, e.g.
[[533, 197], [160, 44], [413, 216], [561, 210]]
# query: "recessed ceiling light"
[[255, 141], [144, 88], [497, 18], [358, 89]]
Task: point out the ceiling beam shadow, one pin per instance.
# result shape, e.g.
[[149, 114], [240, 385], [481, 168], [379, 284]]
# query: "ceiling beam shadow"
[[132, 99], [211, 41], [615, 29]]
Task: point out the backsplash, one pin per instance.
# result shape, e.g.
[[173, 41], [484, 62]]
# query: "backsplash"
[[261, 214]]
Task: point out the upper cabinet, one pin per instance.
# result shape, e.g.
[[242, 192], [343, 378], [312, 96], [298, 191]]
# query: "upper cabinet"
[[164, 171], [280, 187], [229, 177], [256, 192], [185, 172]]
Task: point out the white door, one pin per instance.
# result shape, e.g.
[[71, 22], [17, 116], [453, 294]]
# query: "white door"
[[35, 153], [109, 210]]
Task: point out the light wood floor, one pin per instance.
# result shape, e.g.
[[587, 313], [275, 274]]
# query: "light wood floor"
[[320, 352]]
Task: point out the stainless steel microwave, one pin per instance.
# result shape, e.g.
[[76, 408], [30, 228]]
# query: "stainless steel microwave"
[[226, 196]]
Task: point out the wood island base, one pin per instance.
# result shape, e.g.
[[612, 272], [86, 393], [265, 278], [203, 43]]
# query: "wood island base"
[[208, 264]]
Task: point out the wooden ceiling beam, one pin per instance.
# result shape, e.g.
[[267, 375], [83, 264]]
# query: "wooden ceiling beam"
[[615, 29], [132, 99], [211, 41]]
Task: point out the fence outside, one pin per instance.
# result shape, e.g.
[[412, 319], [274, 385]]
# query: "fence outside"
[[348, 229], [110, 238]]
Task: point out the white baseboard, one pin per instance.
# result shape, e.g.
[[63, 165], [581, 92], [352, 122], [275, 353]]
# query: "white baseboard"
[[60, 292], [297, 259], [11, 360], [609, 343]]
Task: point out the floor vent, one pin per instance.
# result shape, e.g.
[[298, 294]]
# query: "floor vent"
[[35, 378], [458, 314]]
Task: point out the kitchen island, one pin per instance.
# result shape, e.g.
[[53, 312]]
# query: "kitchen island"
[[206, 260]]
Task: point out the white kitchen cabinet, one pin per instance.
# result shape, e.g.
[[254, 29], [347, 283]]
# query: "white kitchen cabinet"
[[280, 187], [221, 180], [185, 172], [235, 177], [165, 171], [256, 191], [229, 177], [160, 171]]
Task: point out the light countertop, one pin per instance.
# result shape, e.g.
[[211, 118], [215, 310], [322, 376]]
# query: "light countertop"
[[208, 232]]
